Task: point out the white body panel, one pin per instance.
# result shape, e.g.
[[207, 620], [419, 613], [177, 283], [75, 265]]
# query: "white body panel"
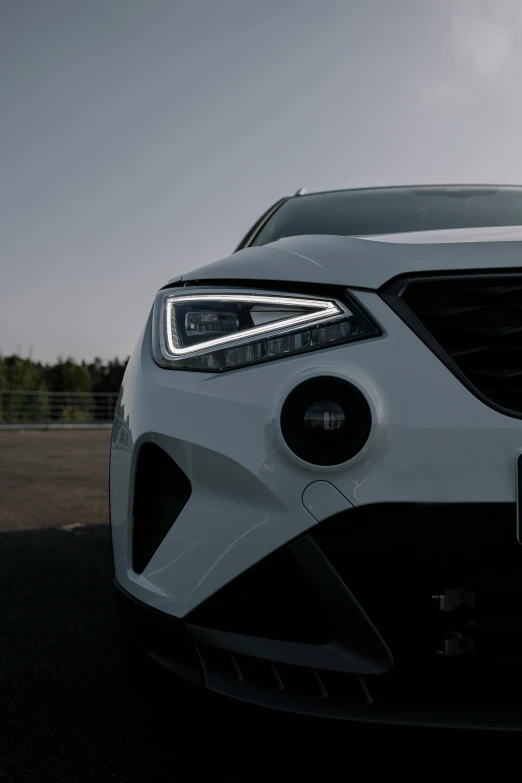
[[432, 440], [365, 262]]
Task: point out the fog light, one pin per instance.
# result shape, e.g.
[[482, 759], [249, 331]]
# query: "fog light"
[[326, 421], [324, 416]]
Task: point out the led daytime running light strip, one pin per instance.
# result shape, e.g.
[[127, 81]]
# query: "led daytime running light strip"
[[323, 310]]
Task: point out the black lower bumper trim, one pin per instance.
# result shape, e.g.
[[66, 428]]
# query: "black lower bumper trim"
[[376, 574]]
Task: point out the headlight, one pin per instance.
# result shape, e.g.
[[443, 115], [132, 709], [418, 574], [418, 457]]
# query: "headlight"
[[216, 330]]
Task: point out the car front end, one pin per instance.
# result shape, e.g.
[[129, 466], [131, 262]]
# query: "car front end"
[[314, 478]]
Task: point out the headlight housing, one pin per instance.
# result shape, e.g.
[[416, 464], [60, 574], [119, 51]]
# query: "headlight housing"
[[213, 330]]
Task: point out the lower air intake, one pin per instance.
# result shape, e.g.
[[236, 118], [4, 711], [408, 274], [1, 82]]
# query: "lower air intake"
[[161, 490]]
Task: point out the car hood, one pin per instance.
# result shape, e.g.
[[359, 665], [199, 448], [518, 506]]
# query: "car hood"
[[368, 262]]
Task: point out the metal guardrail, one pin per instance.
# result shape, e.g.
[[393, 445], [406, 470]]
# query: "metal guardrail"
[[56, 410]]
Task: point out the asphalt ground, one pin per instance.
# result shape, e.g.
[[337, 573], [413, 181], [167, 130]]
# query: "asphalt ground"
[[66, 712]]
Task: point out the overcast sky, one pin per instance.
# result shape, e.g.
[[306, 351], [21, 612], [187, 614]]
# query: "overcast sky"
[[142, 138]]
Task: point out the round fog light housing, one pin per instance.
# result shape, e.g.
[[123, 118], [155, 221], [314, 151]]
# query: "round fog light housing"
[[326, 421]]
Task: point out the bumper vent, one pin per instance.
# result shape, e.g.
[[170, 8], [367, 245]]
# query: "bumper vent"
[[474, 324], [161, 490]]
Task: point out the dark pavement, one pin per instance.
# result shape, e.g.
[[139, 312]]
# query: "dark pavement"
[[68, 713]]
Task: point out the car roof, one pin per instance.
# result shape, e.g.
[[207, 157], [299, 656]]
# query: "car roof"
[[425, 186]]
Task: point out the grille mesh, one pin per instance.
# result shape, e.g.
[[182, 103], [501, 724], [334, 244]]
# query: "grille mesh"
[[477, 321]]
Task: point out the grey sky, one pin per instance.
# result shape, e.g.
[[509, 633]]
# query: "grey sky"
[[141, 138]]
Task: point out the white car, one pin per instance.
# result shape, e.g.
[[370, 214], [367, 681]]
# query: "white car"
[[314, 467]]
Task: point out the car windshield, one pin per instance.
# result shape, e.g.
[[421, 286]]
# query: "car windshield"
[[375, 211]]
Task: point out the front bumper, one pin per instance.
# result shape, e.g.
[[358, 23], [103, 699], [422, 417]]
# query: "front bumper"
[[294, 632]]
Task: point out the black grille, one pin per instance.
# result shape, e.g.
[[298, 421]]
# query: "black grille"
[[474, 324]]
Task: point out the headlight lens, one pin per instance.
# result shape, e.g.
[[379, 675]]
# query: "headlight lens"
[[216, 330]]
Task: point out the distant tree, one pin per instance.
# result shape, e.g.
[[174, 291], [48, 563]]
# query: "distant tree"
[[67, 376], [96, 372], [114, 374], [23, 375], [106, 377], [71, 378], [3, 386]]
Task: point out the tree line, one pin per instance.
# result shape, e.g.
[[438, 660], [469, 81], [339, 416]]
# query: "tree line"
[[27, 389]]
